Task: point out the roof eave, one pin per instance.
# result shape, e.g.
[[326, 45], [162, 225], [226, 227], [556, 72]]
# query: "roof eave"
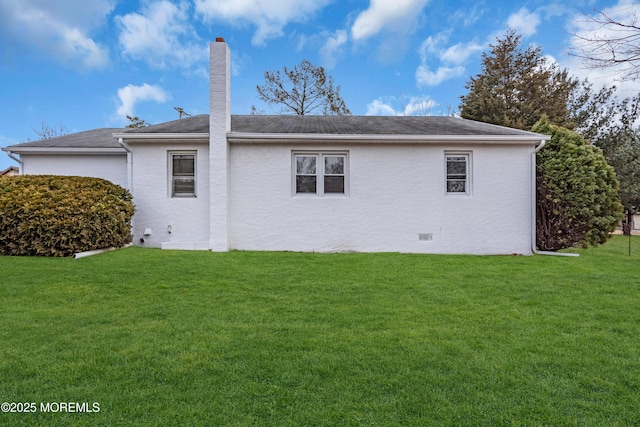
[[64, 150], [249, 137]]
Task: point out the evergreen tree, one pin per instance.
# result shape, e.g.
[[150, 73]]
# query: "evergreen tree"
[[517, 86], [577, 191]]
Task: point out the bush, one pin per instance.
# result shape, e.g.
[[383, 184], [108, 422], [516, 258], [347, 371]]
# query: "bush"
[[61, 215], [577, 192]]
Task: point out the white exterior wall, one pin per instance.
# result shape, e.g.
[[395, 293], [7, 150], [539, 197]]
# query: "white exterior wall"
[[110, 167], [157, 210], [395, 193]]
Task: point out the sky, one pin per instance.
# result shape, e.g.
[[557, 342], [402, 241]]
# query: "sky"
[[75, 65]]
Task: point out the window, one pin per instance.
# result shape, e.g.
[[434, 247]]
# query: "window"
[[182, 172], [320, 173], [457, 171]]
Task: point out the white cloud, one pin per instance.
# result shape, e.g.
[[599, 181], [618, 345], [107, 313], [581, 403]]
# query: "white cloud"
[[161, 34], [524, 22], [419, 106], [426, 77], [415, 106], [333, 47], [269, 17], [450, 59], [432, 45], [396, 16], [61, 29], [130, 95], [466, 17], [460, 52], [379, 108]]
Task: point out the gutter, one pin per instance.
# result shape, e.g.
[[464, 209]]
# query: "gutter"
[[17, 159], [64, 150], [534, 248], [129, 164], [298, 138]]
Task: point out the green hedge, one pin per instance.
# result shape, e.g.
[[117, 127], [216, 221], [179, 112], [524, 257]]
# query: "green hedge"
[[61, 215]]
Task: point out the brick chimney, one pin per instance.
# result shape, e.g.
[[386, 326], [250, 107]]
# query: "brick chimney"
[[219, 125]]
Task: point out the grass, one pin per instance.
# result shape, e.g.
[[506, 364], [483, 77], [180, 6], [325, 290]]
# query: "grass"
[[261, 338]]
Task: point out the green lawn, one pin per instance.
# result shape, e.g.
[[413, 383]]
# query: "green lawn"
[[262, 338]]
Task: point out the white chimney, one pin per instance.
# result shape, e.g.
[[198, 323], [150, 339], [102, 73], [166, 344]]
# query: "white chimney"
[[219, 125]]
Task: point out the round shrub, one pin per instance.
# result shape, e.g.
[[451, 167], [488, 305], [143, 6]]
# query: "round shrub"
[[61, 215], [577, 192]]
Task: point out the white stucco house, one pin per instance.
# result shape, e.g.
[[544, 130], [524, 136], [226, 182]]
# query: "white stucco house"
[[311, 183]]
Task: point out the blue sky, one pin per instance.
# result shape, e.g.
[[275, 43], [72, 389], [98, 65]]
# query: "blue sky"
[[84, 64]]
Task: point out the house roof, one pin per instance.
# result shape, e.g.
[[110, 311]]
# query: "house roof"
[[336, 125], [368, 125], [96, 139], [264, 128], [193, 124]]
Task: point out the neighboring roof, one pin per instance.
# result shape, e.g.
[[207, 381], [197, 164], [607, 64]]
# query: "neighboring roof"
[[288, 127], [96, 139], [11, 170]]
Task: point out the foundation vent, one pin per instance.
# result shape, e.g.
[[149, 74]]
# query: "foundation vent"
[[425, 237]]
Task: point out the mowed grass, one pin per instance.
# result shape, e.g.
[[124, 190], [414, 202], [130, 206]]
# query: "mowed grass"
[[276, 339]]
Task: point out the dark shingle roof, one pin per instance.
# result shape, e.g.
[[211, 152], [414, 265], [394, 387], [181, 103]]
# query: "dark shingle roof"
[[368, 125], [337, 125], [193, 124], [288, 124], [96, 138]]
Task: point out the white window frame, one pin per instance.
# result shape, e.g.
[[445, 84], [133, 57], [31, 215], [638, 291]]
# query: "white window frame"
[[452, 177], [320, 173], [170, 156]]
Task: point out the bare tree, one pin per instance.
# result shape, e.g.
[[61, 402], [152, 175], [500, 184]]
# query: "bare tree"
[[610, 43], [303, 89], [46, 131]]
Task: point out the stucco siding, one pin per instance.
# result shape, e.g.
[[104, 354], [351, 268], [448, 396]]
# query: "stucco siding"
[[109, 167], [396, 201], [174, 222]]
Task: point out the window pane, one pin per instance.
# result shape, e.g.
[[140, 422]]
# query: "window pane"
[[183, 175], [183, 164], [183, 186], [334, 184], [305, 165], [334, 165], [456, 166], [454, 186], [305, 184]]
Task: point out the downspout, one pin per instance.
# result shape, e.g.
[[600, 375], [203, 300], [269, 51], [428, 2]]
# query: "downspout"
[[129, 164], [17, 159], [534, 248]]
